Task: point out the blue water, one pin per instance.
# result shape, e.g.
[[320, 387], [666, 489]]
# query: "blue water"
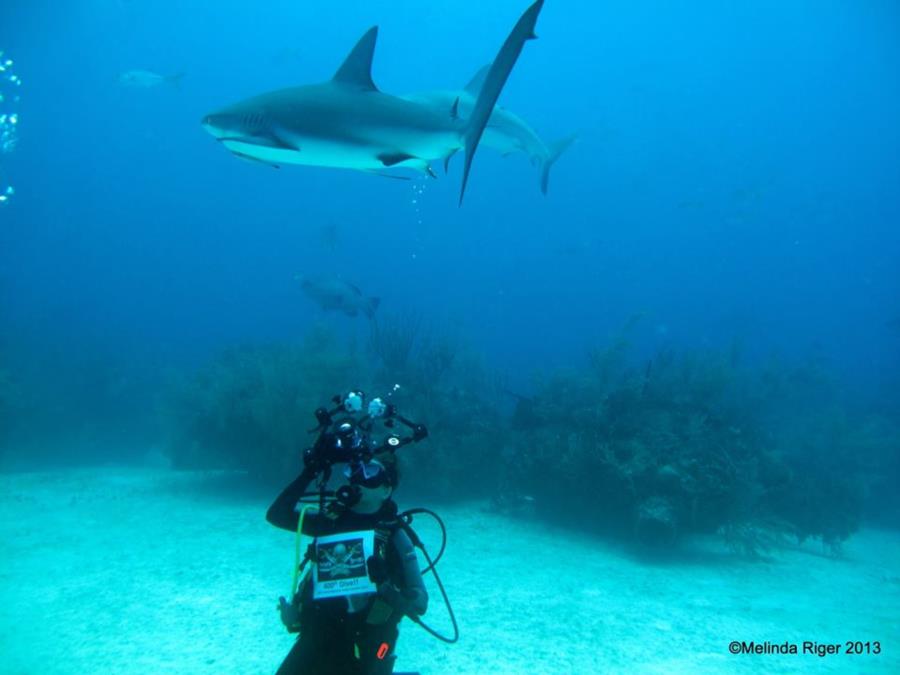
[[735, 180], [736, 175]]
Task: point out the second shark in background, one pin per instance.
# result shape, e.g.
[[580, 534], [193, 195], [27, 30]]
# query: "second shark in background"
[[505, 132]]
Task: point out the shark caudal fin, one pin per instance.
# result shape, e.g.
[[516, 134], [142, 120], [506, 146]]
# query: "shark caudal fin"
[[493, 84], [369, 307], [175, 80], [356, 70], [556, 149]]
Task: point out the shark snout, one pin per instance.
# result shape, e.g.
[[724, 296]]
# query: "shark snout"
[[226, 123], [214, 125], [208, 122]]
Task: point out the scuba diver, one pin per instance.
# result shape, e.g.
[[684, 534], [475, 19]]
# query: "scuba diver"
[[364, 574]]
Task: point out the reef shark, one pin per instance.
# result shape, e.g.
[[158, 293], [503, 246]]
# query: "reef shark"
[[348, 123], [506, 132]]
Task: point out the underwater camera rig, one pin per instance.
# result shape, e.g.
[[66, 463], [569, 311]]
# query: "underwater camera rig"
[[348, 439], [346, 435]]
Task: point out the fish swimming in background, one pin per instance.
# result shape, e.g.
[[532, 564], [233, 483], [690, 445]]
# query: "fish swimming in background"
[[144, 79], [505, 132], [333, 293], [347, 122]]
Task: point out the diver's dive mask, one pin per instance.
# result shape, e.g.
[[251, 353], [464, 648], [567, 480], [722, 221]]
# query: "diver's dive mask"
[[368, 474], [368, 486]]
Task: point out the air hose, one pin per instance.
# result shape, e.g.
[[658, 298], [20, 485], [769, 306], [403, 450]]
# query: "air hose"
[[406, 519], [298, 564]]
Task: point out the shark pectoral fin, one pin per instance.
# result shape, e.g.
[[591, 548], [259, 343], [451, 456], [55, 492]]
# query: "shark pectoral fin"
[[356, 70], [253, 159], [393, 158], [496, 77], [410, 161]]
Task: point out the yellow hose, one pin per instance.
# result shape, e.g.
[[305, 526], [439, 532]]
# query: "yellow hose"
[[294, 577]]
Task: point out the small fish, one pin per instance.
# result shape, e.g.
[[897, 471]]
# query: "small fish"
[[332, 293], [144, 79]]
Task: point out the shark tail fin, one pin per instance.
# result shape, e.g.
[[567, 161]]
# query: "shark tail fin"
[[556, 149], [370, 306], [175, 80], [493, 84]]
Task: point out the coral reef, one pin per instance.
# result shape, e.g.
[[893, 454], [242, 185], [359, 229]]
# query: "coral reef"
[[446, 387], [655, 450], [250, 409], [688, 443]]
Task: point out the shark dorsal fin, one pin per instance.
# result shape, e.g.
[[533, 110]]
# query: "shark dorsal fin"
[[356, 70], [477, 80]]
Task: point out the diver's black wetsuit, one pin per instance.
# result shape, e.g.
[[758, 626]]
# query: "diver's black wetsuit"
[[330, 634]]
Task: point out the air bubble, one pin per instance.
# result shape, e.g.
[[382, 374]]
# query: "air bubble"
[[9, 121]]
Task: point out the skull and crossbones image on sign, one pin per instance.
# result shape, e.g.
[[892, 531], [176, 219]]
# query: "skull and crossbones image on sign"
[[341, 560]]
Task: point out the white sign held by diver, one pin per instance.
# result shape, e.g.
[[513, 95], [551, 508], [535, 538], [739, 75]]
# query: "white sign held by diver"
[[341, 564]]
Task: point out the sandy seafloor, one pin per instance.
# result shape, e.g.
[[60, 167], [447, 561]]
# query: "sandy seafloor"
[[116, 570]]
